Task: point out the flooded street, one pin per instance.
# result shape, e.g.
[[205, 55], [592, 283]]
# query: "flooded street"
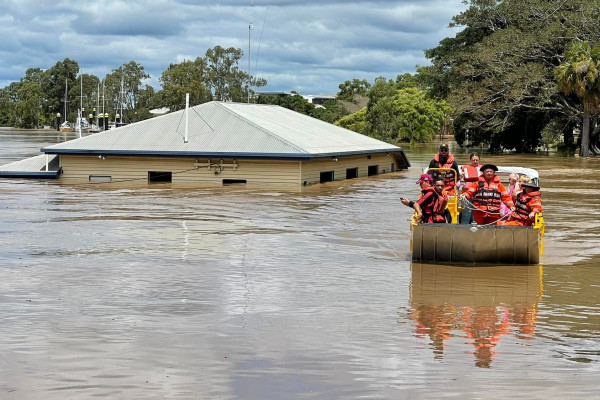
[[156, 291]]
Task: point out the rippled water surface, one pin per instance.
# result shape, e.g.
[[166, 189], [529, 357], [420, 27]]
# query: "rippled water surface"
[[158, 291]]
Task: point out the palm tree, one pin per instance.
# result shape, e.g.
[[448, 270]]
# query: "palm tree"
[[579, 74]]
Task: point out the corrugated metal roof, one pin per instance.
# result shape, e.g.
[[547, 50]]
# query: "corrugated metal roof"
[[33, 167], [228, 128]]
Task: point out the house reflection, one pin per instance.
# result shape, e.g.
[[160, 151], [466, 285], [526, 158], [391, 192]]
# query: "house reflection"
[[481, 304]]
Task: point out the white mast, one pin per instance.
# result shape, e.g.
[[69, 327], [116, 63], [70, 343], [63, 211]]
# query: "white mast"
[[249, 58], [80, 105], [187, 105]]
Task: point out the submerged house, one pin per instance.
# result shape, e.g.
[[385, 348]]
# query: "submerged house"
[[217, 143]]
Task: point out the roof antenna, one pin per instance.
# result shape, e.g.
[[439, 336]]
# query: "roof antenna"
[[187, 105], [249, 58]]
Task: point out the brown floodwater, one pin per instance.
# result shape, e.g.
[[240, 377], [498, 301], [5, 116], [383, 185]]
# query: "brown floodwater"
[[157, 291]]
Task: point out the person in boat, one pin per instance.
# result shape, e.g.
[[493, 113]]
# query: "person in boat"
[[518, 186], [445, 160], [488, 193], [527, 205], [468, 175], [513, 183], [431, 205]]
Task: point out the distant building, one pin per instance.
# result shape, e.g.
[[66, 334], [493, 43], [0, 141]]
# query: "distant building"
[[253, 144], [320, 99]]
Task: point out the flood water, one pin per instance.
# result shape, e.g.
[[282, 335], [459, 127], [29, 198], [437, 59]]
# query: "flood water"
[[164, 292]]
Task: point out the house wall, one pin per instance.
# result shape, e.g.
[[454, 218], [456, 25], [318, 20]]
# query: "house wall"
[[196, 171], [311, 170], [184, 170]]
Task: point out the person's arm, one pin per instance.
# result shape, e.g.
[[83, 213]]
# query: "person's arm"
[[419, 212], [536, 206], [415, 206]]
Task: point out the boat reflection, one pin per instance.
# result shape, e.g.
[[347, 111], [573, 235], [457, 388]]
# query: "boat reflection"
[[480, 304]]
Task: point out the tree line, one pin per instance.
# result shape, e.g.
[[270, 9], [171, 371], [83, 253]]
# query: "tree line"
[[520, 75], [36, 99]]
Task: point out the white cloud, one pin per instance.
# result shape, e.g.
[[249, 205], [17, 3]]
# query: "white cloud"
[[309, 46]]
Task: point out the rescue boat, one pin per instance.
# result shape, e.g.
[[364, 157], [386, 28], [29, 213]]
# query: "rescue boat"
[[478, 244]]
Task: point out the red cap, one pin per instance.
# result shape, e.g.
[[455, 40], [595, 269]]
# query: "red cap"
[[425, 178]]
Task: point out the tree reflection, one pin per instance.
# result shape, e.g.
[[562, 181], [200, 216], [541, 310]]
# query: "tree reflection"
[[481, 304]]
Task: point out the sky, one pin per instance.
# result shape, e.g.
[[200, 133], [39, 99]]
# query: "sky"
[[309, 46]]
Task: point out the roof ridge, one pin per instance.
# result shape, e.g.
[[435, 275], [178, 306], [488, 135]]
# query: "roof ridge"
[[272, 134]]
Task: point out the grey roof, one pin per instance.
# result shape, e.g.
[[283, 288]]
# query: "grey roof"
[[228, 129], [33, 167]]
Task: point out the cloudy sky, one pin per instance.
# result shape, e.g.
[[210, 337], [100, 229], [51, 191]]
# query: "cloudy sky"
[[310, 46]]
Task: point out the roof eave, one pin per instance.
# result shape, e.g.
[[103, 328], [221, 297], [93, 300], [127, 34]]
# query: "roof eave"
[[236, 155]]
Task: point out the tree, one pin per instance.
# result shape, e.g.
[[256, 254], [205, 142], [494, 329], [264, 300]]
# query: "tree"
[[349, 89], [53, 86], [498, 72], [331, 111], [356, 122], [122, 89], [579, 74], [419, 118], [5, 107], [27, 110], [186, 77], [226, 81]]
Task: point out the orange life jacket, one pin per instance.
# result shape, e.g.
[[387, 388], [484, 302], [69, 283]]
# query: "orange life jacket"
[[525, 204], [449, 176], [471, 173], [433, 211], [489, 195]]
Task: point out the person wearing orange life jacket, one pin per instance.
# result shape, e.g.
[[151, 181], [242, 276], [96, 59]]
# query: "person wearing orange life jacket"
[[469, 174], [431, 205], [527, 205], [445, 160], [488, 193]]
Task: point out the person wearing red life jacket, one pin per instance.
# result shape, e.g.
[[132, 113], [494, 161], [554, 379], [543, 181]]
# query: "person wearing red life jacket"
[[469, 174], [488, 193], [445, 160], [431, 205], [527, 205]]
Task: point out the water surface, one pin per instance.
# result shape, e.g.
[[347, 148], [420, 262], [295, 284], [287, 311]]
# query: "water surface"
[[158, 291]]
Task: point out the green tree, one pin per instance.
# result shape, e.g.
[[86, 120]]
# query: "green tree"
[[27, 110], [186, 77], [356, 122], [5, 107], [419, 118], [226, 81], [122, 88], [579, 74], [53, 86], [498, 72], [349, 89], [331, 111]]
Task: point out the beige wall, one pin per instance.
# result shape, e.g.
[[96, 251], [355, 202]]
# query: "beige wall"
[[196, 171], [311, 170]]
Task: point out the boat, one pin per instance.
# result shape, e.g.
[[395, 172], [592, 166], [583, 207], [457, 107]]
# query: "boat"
[[478, 244], [81, 125], [66, 126]]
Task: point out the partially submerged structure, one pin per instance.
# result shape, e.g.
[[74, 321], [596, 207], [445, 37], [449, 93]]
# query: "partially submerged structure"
[[218, 143]]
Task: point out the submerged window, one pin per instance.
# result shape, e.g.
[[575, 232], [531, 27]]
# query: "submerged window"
[[100, 178], [352, 173], [327, 176], [160, 176], [234, 181], [373, 170]]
